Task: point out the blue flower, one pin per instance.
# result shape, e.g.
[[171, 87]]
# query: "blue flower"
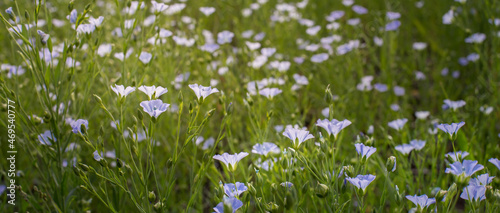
[[9, 11], [335, 15], [391, 26], [154, 107], [392, 15], [483, 179], [453, 155], [417, 144], [473, 193], [265, 148], [287, 184], [145, 57], [72, 16], [495, 162], [153, 91], [232, 191], [47, 138], [361, 181], [476, 38], [231, 202], [398, 124], [453, 104], [318, 58], [334, 126], [467, 168], [97, 156], [359, 9], [201, 91], [121, 91], [230, 161], [225, 37], [405, 148], [76, 125], [270, 92], [380, 87], [207, 10], [451, 128], [421, 201], [297, 135], [209, 47], [158, 7], [364, 151]]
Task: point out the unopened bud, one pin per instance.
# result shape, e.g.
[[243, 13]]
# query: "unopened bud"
[[391, 164], [321, 190], [151, 196]]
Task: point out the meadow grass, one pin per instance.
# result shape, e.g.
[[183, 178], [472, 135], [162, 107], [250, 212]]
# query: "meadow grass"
[[258, 106]]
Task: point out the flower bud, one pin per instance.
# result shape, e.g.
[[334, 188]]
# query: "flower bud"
[[251, 189], [274, 188], [452, 190], [349, 170], [84, 167], [180, 97], [46, 117], [321, 190], [36, 120], [71, 5], [391, 164], [158, 206], [272, 207], [440, 195], [140, 116], [495, 195], [26, 15], [169, 163], [151, 196], [119, 163], [76, 170]]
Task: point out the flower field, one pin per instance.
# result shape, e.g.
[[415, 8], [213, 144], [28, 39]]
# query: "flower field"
[[250, 106]]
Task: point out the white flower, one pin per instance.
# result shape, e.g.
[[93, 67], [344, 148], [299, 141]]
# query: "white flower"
[[145, 57], [225, 37], [334, 126], [298, 136], [158, 7], [129, 23], [85, 29], [422, 115], [207, 10], [47, 138], [270, 92], [121, 91], [252, 45], [96, 21], [398, 124], [231, 161], [318, 58], [419, 45], [104, 49], [202, 91], [448, 17], [153, 91]]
